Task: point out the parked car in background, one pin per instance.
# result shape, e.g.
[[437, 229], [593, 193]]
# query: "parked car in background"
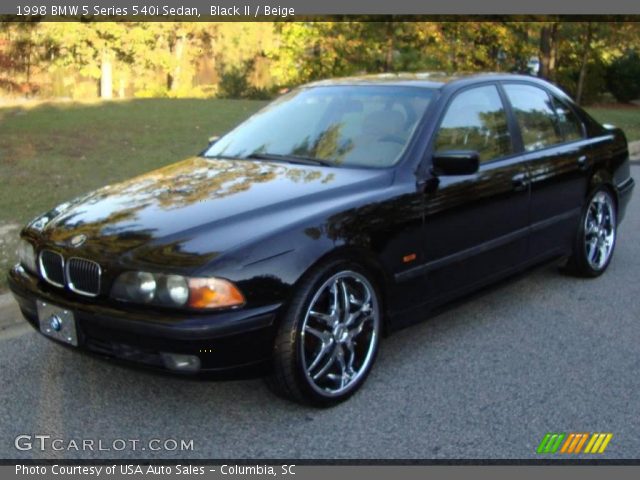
[[533, 65], [343, 210]]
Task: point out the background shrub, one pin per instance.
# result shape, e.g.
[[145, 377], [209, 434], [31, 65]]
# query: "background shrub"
[[623, 77]]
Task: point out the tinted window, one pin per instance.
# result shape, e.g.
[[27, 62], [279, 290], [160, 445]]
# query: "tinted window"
[[476, 120], [536, 116], [569, 125], [346, 125]]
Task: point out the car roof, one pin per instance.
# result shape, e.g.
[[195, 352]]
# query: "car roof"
[[421, 79]]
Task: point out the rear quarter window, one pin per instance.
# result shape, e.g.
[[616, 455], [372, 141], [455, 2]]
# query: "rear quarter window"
[[569, 125]]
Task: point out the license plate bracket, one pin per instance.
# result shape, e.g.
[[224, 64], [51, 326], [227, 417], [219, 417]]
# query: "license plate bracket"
[[57, 322]]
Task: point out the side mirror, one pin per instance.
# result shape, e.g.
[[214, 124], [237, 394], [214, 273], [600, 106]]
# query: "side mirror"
[[456, 162]]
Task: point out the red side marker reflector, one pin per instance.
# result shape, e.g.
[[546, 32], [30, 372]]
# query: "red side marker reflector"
[[409, 258]]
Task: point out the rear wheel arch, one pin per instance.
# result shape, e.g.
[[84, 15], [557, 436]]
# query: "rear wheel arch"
[[602, 178]]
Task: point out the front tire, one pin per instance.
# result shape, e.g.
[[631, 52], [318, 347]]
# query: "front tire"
[[328, 339], [596, 236]]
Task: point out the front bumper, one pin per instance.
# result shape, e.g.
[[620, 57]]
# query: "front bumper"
[[228, 342]]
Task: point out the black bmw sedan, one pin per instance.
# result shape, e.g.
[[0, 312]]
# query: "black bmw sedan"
[[343, 210]]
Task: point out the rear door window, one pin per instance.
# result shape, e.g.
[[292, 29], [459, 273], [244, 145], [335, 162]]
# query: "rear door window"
[[476, 120], [536, 116]]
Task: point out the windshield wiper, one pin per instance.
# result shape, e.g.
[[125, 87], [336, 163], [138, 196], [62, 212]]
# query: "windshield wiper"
[[220, 157], [301, 159]]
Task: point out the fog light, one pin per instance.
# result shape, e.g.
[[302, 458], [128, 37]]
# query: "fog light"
[[182, 363]]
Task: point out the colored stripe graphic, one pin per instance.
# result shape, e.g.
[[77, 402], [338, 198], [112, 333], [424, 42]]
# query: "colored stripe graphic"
[[598, 442], [567, 443], [573, 442], [551, 442], [543, 443], [581, 443]]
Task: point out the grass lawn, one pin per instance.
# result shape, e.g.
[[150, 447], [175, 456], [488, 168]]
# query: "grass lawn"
[[627, 118], [52, 152]]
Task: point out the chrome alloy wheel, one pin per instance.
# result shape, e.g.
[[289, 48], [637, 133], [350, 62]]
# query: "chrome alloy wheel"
[[599, 230], [340, 333]]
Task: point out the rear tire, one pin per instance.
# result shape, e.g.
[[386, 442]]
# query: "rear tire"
[[328, 339], [596, 236]]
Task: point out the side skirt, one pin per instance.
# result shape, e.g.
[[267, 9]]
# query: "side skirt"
[[405, 318]]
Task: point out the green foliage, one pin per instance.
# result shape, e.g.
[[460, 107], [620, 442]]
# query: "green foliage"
[[595, 82], [623, 77], [151, 91], [234, 81], [255, 59]]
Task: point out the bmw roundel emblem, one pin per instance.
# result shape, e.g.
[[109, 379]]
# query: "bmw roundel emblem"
[[55, 323], [78, 240]]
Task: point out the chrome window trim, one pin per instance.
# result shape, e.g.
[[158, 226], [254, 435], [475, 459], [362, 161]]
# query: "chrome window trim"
[[43, 271], [72, 286]]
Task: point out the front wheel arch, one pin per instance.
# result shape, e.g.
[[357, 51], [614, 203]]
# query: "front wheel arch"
[[363, 257]]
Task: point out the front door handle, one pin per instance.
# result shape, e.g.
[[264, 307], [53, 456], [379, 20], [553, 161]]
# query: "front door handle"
[[583, 162], [520, 182]]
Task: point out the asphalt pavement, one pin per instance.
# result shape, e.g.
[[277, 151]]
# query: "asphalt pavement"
[[488, 378]]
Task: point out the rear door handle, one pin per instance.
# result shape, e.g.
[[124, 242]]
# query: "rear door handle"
[[583, 162], [520, 182]]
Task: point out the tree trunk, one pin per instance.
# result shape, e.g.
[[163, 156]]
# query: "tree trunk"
[[583, 66], [121, 88], [106, 76], [454, 49], [548, 51], [178, 51], [545, 52], [523, 59], [553, 53], [388, 61], [28, 61]]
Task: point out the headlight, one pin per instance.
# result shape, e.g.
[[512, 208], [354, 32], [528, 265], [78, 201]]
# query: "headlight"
[[176, 290], [27, 256], [173, 289], [137, 287]]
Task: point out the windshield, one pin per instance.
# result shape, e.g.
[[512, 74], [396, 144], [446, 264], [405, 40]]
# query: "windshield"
[[365, 126]]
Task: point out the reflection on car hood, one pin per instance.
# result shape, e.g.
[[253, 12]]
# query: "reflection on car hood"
[[161, 209]]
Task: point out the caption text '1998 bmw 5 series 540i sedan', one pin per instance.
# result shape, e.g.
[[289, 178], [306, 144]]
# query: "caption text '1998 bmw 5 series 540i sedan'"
[[343, 210]]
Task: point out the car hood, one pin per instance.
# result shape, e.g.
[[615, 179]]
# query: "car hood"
[[155, 216]]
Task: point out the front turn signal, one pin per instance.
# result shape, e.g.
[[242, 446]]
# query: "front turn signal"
[[213, 293]]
